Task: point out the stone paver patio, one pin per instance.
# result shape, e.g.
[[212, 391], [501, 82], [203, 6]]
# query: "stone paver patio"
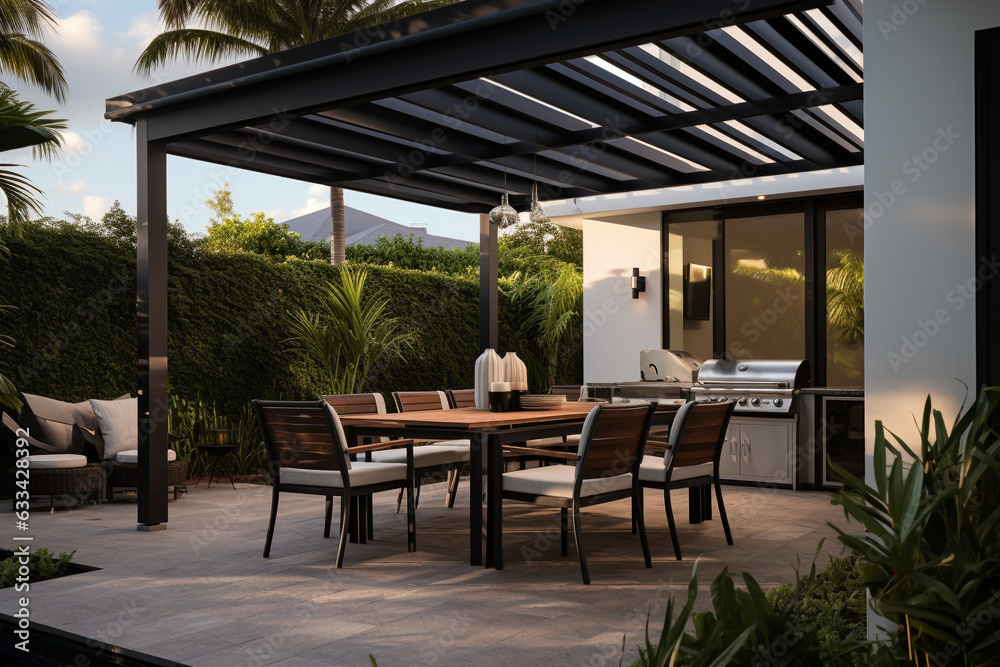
[[200, 592]]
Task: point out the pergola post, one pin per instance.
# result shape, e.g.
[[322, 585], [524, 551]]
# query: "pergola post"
[[151, 309], [488, 274]]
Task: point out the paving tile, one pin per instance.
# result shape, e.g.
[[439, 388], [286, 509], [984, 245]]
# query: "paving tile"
[[201, 593]]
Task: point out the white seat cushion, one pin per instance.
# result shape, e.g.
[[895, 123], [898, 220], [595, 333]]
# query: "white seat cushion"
[[425, 456], [361, 473], [557, 481], [53, 461], [652, 470], [132, 456]]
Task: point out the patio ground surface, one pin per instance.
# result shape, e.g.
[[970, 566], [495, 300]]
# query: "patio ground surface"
[[201, 593]]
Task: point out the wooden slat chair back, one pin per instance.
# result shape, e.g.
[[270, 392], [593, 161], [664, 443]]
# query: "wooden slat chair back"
[[418, 401], [611, 446], [444, 457], [462, 398], [356, 404], [299, 436], [700, 434], [691, 460], [615, 443]]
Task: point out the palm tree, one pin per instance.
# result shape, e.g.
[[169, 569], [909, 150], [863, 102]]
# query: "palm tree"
[[252, 28], [351, 337], [22, 55], [845, 297], [21, 125]]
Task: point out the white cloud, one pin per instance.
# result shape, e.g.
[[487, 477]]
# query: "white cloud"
[[143, 29], [312, 204], [318, 190], [72, 142], [79, 33], [69, 188], [95, 207]]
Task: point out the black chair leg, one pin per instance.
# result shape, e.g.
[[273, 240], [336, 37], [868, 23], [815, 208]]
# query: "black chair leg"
[[453, 478], [637, 517], [329, 516], [722, 512], [578, 539], [416, 498], [270, 525], [563, 529], [670, 521], [411, 516], [370, 511], [641, 508], [345, 519]]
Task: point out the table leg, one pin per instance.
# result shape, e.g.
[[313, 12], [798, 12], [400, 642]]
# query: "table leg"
[[229, 473], [476, 499], [699, 503], [494, 502], [211, 471]]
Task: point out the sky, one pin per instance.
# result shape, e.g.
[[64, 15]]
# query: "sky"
[[97, 42]]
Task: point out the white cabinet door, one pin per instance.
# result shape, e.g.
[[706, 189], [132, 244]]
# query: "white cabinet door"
[[766, 452], [729, 461]]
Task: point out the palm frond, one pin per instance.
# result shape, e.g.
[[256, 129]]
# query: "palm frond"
[[22, 197], [22, 125], [194, 45], [29, 60]]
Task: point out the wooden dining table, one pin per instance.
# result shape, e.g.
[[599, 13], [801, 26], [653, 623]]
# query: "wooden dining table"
[[487, 433]]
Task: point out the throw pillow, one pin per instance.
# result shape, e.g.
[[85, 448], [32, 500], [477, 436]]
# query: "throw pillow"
[[118, 421]]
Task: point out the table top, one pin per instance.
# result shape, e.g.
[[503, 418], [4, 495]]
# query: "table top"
[[475, 419]]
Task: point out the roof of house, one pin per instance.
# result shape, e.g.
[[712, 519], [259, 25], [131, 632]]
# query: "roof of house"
[[364, 228]]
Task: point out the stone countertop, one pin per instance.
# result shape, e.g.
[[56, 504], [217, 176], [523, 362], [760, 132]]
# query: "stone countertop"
[[846, 392]]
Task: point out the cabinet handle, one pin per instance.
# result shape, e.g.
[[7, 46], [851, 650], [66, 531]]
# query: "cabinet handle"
[[734, 449], [746, 451]]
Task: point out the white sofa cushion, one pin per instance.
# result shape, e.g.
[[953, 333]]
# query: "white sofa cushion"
[[557, 481], [652, 469], [53, 461], [425, 456], [119, 424], [361, 473], [132, 456]]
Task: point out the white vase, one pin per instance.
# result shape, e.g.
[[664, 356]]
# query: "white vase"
[[515, 372], [489, 368]]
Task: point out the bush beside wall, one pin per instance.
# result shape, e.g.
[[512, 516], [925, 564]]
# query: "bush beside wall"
[[75, 323]]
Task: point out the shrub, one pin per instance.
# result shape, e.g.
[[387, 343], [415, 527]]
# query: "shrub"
[[41, 566]]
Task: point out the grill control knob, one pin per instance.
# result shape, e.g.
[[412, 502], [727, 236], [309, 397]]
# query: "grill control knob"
[[743, 400], [778, 402], [755, 401]]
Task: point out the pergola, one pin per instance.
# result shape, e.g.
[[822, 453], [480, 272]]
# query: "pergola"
[[452, 107]]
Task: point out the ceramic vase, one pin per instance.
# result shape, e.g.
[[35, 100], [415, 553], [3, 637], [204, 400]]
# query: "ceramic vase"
[[489, 368], [516, 373]]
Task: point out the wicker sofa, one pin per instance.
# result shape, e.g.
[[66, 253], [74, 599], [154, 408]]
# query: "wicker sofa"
[[83, 450]]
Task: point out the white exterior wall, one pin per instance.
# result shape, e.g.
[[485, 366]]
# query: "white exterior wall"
[[920, 206], [616, 326]]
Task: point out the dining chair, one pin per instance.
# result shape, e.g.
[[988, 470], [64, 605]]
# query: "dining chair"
[[461, 398], [606, 469], [308, 453], [691, 458], [444, 456]]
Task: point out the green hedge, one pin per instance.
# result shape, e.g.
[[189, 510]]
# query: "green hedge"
[[75, 323]]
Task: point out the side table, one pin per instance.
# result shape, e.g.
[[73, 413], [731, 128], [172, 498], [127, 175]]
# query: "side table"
[[218, 454]]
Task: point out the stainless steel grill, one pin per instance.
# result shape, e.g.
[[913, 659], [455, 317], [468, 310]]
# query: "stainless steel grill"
[[759, 386]]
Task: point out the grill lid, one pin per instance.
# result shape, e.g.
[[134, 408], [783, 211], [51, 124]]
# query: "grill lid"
[[755, 373]]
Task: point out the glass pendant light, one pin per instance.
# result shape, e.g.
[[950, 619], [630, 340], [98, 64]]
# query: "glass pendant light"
[[504, 215], [537, 214]]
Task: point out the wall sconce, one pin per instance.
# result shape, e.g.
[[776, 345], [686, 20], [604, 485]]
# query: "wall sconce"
[[638, 283]]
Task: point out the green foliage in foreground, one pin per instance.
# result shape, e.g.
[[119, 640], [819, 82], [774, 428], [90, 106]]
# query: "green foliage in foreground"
[[931, 535], [41, 566], [802, 625]]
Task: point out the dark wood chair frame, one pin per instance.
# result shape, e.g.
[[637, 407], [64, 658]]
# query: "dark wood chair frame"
[[315, 443], [617, 436], [696, 437]]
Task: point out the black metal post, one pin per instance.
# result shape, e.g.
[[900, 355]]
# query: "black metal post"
[[151, 308], [987, 48], [488, 275]]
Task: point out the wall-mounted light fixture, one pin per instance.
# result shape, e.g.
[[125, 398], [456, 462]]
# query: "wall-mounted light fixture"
[[638, 283]]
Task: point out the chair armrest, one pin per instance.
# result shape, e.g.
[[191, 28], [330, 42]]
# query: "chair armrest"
[[550, 453], [9, 422], [376, 446]]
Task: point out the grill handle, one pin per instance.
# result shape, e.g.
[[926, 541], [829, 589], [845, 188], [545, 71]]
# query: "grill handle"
[[747, 383]]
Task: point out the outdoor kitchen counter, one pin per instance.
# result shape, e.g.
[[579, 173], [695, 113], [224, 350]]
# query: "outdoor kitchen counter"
[[843, 392]]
